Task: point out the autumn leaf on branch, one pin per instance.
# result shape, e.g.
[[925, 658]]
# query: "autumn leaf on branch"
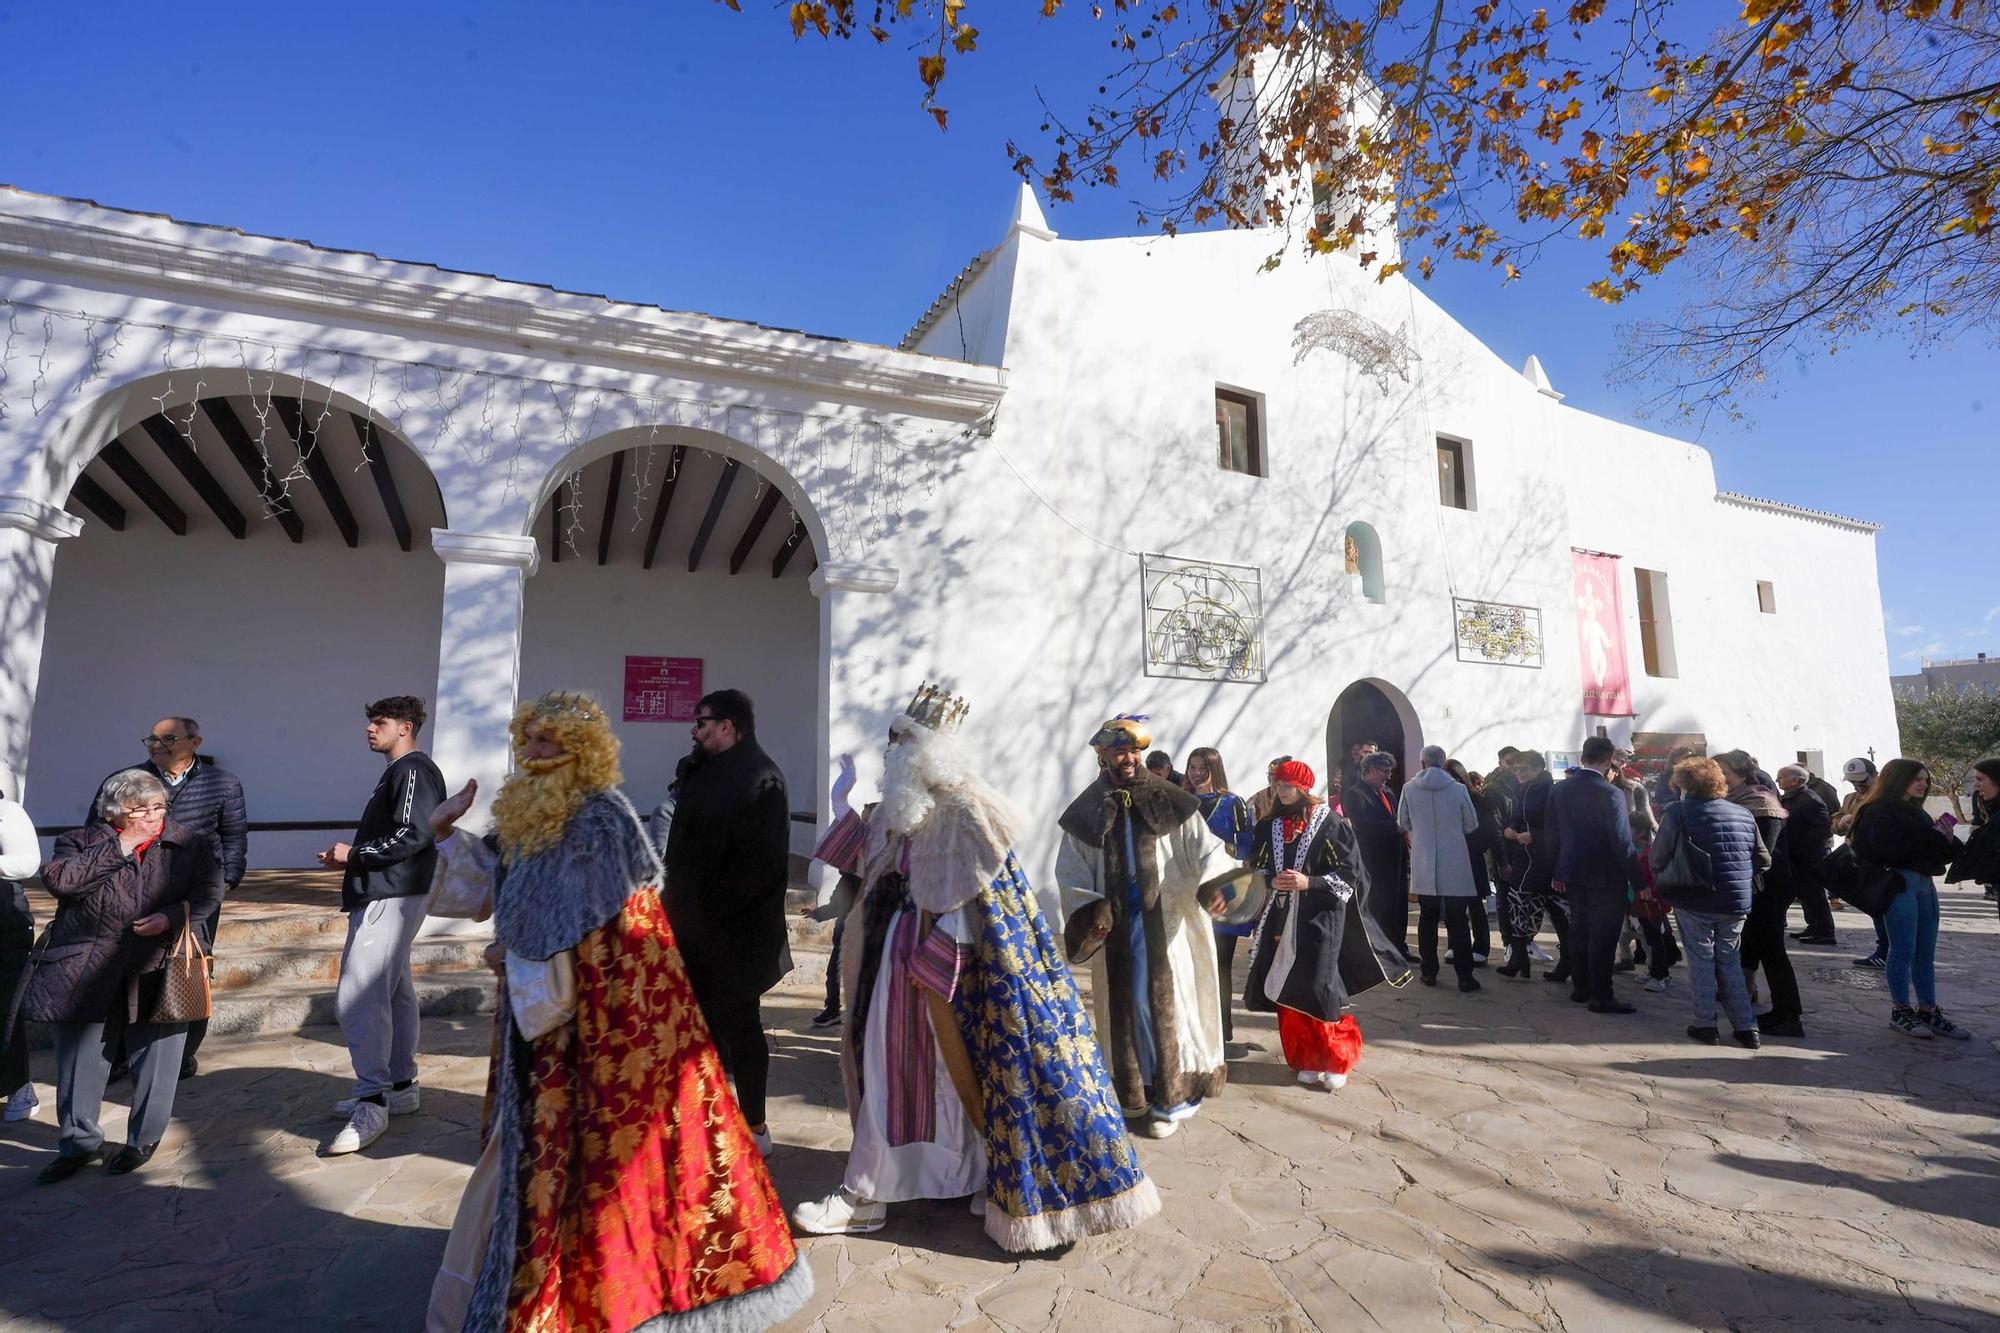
[[1833, 163]]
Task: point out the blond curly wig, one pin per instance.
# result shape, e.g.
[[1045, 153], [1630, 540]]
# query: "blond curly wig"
[[539, 799]]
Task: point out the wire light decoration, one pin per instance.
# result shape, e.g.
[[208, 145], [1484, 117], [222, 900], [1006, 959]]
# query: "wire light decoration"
[[1379, 353]]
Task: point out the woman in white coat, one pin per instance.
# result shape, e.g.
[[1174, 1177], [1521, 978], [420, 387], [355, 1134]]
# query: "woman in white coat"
[[1435, 814]]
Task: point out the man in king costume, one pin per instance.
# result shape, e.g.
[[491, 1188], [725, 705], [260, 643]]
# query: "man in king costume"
[[1135, 850], [1314, 949], [618, 1188], [970, 1065]]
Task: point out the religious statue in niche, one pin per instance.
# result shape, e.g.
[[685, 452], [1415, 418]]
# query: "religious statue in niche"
[[1353, 554]]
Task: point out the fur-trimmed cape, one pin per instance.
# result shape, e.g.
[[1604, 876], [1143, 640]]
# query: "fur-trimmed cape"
[[1158, 951]]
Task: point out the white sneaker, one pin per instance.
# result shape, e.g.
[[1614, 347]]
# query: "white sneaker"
[[363, 1127], [24, 1103], [401, 1101], [979, 1204], [1161, 1129], [1656, 984], [762, 1138], [1308, 1077], [839, 1214], [1536, 952], [1333, 1082]]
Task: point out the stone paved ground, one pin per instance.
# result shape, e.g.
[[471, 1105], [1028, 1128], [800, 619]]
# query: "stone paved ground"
[[1502, 1160]]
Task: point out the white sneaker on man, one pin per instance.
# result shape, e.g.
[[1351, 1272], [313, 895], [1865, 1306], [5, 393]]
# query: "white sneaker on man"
[[1537, 953], [840, 1214], [1158, 1128], [1655, 984], [364, 1125], [1333, 1082], [24, 1103], [1309, 1077], [400, 1101], [762, 1138]]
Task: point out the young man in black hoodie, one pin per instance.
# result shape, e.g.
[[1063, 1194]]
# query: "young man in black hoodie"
[[385, 884]]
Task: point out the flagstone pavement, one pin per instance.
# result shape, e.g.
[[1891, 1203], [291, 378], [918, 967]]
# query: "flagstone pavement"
[[1500, 1160]]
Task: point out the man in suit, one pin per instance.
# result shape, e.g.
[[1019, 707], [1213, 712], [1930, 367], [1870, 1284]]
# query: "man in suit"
[[1590, 824]]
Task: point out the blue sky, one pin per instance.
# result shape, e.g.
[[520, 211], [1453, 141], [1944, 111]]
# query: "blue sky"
[[674, 152]]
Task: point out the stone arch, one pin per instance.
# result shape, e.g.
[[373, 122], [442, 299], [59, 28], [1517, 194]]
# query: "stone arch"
[[203, 585], [1363, 561], [1372, 709], [127, 399]]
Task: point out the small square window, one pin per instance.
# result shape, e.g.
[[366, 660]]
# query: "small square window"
[[1767, 597], [1454, 485], [1239, 433]]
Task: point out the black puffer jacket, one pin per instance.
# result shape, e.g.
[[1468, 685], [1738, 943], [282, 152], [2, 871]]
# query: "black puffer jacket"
[[1899, 835], [208, 802], [89, 963]]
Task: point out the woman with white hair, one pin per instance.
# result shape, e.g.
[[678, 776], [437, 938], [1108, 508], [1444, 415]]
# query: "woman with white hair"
[[125, 890]]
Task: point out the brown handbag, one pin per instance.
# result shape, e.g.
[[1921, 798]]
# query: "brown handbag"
[[184, 987]]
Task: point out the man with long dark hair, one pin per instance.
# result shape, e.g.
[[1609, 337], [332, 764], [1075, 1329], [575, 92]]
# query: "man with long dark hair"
[[728, 862]]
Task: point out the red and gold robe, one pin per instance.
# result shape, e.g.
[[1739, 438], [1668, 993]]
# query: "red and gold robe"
[[638, 1199]]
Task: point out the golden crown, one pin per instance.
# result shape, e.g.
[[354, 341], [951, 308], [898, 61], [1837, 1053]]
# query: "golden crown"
[[937, 708], [567, 703]]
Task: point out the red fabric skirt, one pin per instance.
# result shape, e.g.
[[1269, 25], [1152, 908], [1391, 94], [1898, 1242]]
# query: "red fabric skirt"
[[1313, 1047]]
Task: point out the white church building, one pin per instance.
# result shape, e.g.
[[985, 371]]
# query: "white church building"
[[261, 482]]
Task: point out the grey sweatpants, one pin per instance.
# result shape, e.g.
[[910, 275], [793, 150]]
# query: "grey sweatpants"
[[377, 1000], [83, 1068]]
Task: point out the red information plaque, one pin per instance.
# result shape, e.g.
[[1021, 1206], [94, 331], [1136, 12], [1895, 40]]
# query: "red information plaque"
[[662, 689]]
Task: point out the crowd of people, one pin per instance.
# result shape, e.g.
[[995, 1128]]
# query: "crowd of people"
[[622, 1175]]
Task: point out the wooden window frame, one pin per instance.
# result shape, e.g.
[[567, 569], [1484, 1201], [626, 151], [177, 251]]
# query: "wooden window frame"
[[1253, 411]]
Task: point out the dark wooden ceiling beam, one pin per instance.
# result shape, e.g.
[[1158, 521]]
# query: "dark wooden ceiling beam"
[[730, 468], [237, 440], [751, 533], [182, 455], [610, 508], [305, 436], [140, 482], [793, 541], [99, 502], [385, 480], [674, 461]]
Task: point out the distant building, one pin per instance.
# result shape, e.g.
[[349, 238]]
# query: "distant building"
[[1981, 673]]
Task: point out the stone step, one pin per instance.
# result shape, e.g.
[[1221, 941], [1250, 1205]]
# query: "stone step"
[[246, 968]]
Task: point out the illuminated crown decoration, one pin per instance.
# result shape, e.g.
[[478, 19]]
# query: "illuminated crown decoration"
[[937, 708]]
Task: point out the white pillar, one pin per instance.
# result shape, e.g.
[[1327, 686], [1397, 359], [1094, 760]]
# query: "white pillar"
[[29, 531], [847, 600], [479, 657]]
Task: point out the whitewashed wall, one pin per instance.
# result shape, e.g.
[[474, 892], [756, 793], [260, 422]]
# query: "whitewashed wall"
[[752, 632], [1032, 604], [275, 649]]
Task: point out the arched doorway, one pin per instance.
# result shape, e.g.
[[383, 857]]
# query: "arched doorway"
[[667, 564], [260, 563], [1377, 712]]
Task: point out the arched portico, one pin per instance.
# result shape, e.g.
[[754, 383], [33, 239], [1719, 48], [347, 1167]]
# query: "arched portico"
[[670, 564], [257, 561]]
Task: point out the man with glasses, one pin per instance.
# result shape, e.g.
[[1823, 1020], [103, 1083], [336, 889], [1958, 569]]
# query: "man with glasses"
[[728, 863], [207, 801]]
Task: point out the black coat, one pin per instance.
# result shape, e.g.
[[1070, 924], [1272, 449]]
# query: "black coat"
[[209, 802], [1341, 952], [1484, 839], [1808, 832], [1899, 835], [88, 964], [1979, 859], [728, 864], [1380, 838], [1531, 816]]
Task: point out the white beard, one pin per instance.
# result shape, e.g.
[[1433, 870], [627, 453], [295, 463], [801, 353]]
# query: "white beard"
[[906, 784]]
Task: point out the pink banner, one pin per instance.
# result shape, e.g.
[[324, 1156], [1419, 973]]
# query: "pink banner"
[[662, 689], [1600, 636]]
